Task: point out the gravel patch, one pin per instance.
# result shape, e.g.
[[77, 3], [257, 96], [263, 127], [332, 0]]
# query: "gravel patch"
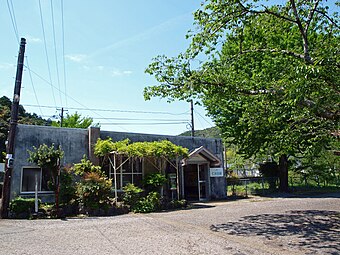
[[255, 226]]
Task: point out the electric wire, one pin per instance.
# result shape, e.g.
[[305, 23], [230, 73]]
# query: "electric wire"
[[13, 19], [55, 51], [110, 110], [46, 53], [35, 94], [144, 124], [211, 125], [63, 48], [42, 78]]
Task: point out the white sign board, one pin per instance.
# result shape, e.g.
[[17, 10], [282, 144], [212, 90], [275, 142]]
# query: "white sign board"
[[216, 172], [2, 167]]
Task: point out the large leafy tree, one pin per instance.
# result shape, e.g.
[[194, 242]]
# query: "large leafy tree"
[[75, 121], [270, 79]]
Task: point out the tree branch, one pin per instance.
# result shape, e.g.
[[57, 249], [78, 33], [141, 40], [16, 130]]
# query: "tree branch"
[[329, 18], [286, 52], [267, 11], [310, 16]]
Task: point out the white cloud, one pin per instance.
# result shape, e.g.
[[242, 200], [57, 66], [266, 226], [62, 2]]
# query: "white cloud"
[[76, 57], [118, 72], [32, 39]]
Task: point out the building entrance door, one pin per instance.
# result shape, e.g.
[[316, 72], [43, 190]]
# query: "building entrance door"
[[195, 181], [202, 182]]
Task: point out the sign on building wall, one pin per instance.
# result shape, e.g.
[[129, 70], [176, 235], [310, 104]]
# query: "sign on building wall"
[[216, 172]]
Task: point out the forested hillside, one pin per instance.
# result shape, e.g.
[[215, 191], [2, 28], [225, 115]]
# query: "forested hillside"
[[212, 132], [24, 118]]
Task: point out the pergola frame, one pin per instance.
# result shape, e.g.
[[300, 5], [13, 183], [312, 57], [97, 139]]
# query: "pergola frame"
[[113, 164]]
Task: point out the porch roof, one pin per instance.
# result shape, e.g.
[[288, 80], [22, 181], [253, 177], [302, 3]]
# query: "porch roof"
[[205, 153]]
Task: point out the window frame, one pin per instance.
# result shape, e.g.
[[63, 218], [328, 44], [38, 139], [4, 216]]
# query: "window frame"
[[40, 176]]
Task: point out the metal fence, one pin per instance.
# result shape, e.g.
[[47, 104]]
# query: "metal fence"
[[313, 181], [244, 187]]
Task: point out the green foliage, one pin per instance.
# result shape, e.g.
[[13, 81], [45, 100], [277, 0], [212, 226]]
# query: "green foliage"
[[132, 194], [94, 191], [85, 166], [213, 132], [155, 180], [24, 118], [175, 204], [162, 148], [45, 156], [147, 204], [271, 76], [75, 121], [22, 207], [67, 186], [104, 147]]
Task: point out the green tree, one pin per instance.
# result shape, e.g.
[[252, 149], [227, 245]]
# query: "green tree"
[[24, 118], [75, 121], [271, 76]]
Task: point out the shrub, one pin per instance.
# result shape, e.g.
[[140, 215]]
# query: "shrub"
[[132, 194], [67, 186], [174, 204], [147, 204], [154, 181], [22, 207], [94, 191], [86, 166]]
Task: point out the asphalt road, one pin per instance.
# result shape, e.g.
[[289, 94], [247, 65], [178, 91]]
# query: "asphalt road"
[[309, 225]]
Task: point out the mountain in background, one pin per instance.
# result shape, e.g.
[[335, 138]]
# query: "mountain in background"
[[212, 132], [24, 118]]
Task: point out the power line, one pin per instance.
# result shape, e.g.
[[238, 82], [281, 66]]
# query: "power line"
[[63, 44], [114, 110], [13, 19], [143, 124], [86, 108], [55, 51], [140, 119], [35, 94], [204, 118], [47, 59]]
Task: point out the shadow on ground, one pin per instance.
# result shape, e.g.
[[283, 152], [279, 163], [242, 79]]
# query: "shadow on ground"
[[315, 230]]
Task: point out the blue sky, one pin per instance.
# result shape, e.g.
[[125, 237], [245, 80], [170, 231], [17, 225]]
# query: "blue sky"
[[107, 46]]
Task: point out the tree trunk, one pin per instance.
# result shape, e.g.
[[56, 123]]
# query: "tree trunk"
[[283, 171]]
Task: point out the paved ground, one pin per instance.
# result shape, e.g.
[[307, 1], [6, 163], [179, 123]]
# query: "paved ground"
[[256, 226]]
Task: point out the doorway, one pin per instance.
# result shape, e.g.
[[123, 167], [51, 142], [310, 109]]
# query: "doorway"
[[196, 182]]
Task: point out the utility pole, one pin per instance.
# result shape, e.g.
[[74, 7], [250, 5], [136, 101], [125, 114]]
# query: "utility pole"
[[192, 118], [6, 189], [61, 116]]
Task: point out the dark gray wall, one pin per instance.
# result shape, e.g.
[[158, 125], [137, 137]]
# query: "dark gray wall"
[[74, 142]]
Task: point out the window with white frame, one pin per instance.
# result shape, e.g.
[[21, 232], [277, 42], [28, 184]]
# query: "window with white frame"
[[31, 175], [129, 172]]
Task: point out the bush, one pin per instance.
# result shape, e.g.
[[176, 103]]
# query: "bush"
[[132, 194], [153, 181], [86, 166], [94, 191], [174, 204], [147, 204], [67, 186], [22, 207]]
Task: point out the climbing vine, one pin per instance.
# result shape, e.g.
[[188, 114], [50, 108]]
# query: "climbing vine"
[[162, 148]]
